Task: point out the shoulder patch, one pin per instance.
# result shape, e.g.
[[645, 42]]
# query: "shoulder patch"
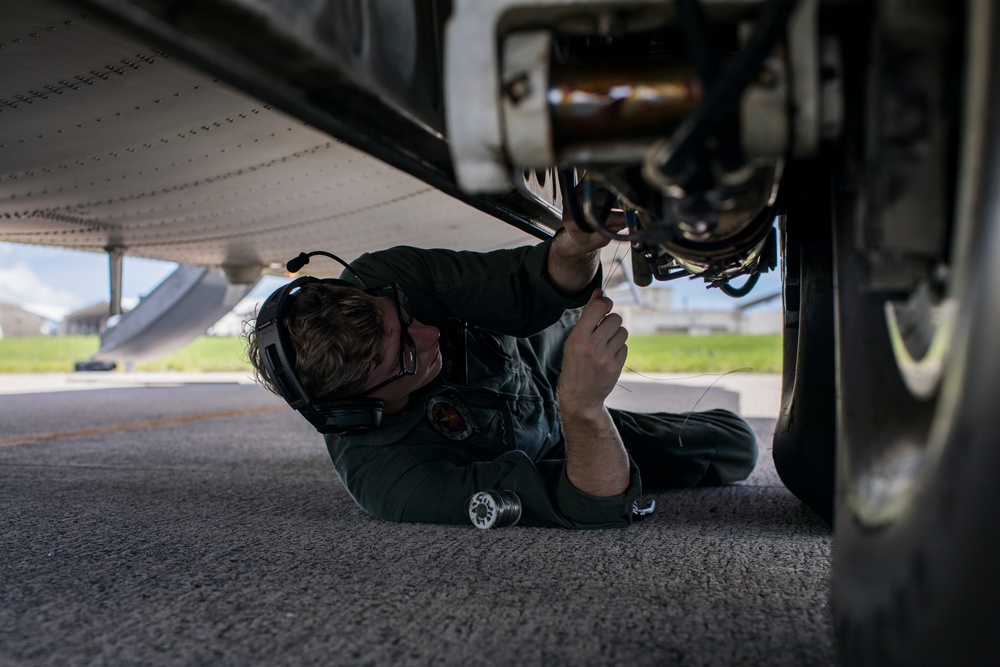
[[450, 417]]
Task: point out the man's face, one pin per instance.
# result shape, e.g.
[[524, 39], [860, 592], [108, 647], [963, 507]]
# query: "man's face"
[[425, 340]]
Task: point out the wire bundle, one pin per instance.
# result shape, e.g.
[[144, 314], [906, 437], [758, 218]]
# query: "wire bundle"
[[494, 509]]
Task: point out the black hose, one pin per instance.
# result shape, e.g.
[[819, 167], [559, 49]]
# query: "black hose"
[[730, 150], [696, 35], [737, 292], [727, 87], [601, 218], [570, 199]]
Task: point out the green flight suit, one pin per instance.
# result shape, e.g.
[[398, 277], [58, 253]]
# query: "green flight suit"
[[498, 427]]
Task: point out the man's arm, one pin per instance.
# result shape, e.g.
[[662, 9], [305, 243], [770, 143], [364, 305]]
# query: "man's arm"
[[595, 351]]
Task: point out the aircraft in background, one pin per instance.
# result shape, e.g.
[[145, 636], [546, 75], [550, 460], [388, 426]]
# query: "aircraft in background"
[[867, 129]]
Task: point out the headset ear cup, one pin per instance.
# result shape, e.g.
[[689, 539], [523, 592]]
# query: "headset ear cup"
[[355, 414]]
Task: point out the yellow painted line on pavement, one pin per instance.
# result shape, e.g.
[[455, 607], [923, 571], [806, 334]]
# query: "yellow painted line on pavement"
[[131, 426]]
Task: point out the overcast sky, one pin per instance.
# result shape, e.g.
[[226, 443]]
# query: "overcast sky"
[[53, 282]]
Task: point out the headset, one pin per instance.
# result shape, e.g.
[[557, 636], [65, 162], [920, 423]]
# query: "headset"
[[278, 356]]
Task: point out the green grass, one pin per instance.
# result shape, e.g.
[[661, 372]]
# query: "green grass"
[[658, 353], [44, 354], [714, 353], [58, 354], [207, 354]]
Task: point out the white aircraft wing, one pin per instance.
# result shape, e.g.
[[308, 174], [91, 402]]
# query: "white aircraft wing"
[[111, 142]]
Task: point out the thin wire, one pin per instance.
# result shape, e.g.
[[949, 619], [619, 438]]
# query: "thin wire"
[[689, 377], [680, 440], [745, 369], [614, 262]]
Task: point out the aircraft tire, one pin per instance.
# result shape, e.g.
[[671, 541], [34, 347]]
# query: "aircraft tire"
[[916, 576], [916, 569], [805, 435]]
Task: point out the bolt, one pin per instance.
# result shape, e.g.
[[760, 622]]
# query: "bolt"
[[518, 88]]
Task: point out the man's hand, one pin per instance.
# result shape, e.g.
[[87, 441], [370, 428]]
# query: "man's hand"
[[575, 255], [593, 358], [585, 242]]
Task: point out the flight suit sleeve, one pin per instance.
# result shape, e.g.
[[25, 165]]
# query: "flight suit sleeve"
[[505, 291], [432, 483]]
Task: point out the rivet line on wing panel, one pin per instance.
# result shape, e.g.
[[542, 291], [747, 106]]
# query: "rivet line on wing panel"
[[58, 217], [176, 188], [163, 140], [49, 30], [146, 145], [294, 224], [77, 81], [153, 241], [238, 211], [225, 213]]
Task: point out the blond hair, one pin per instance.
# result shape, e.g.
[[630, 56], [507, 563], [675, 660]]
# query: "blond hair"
[[336, 334]]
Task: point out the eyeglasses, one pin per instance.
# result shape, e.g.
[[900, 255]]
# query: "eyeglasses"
[[407, 348]]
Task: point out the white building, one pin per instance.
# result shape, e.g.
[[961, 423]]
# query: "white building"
[[654, 313], [16, 321]]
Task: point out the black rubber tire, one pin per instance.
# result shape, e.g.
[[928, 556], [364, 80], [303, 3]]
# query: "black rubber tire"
[[924, 586], [916, 581], [805, 435]]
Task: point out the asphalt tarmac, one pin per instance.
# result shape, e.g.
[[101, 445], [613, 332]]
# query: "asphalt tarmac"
[[196, 520]]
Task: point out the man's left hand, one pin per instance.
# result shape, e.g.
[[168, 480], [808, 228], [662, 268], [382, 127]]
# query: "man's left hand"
[[586, 242], [575, 254]]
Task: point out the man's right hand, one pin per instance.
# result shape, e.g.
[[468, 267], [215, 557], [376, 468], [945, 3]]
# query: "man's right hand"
[[593, 357]]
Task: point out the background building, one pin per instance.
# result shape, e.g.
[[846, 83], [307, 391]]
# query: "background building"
[[91, 320], [16, 321], [654, 313]]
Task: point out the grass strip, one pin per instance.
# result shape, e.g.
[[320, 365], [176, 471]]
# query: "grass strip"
[[657, 353]]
